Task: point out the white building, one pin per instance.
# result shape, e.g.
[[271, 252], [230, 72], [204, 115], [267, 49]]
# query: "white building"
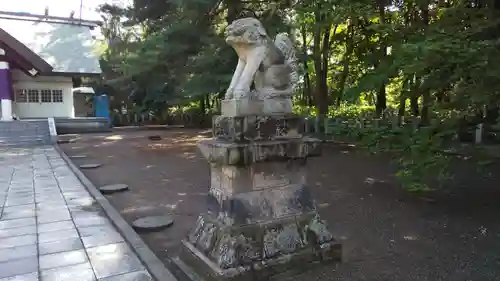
[[39, 56]]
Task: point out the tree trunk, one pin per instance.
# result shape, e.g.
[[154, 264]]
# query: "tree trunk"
[[321, 91], [234, 8], [381, 94], [202, 105], [426, 95], [349, 43], [307, 79], [415, 94], [325, 55], [381, 100], [207, 102]]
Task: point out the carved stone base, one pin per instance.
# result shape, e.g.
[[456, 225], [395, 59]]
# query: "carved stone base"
[[217, 251], [256, 107], [238, 154], [261, 218], [257, 128]]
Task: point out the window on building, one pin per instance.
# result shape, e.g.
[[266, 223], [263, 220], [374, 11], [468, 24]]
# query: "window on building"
[[46, 95], [57, 96], [33, 96], [21, 95]]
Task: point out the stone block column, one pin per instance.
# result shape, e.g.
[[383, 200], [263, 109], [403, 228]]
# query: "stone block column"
[[262, 219], [5, 88]]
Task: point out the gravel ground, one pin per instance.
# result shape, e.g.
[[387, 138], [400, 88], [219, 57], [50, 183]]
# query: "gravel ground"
[[387, 234]]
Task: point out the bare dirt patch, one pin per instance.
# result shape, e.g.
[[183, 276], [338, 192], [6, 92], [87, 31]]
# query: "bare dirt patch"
[[386, 233]]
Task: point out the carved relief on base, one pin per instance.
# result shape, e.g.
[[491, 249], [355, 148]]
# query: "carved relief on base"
[[239, 246]]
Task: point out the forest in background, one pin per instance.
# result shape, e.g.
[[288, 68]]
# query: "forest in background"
[[436, 63]]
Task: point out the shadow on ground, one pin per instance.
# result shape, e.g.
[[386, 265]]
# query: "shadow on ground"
[[386, 233]]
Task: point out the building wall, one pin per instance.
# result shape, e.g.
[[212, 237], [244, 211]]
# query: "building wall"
[[26, 88]]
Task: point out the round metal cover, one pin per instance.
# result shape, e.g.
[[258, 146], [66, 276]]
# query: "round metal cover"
[[110, 188], [90, 166], [152, 223]]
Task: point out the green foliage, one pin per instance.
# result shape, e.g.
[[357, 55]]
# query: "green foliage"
[[350, 111], [417, 152], [359, 60]]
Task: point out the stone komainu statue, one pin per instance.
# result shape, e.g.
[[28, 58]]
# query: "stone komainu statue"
[[270, 66]]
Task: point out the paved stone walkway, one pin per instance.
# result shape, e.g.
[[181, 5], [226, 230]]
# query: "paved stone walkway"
[[52, 229]]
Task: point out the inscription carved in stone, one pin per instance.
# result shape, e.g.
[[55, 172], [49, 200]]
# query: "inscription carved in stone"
[[257, 128]]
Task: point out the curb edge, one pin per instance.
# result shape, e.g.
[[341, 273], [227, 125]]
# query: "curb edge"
[[152, 263]]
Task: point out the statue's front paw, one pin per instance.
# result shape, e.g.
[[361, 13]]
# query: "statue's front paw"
[[229, 94], [240, 93]]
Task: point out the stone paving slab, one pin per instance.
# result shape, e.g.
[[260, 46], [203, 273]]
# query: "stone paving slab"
[[51, 228]]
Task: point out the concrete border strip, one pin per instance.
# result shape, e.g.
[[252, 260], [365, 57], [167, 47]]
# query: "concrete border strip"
[[153, 264]]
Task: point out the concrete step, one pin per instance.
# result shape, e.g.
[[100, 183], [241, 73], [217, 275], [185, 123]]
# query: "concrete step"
[[24, 133], [23, 138]]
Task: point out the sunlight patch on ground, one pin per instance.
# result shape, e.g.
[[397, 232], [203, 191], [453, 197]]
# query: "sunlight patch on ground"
[[110, 254], [138, 209], [189, 155], [105, 143], [13, 153], [160, 145], [410, 238], [323, 205], [114, 137]]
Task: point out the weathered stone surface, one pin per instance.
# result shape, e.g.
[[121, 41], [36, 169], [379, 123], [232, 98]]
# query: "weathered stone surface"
[[262, 215], [257, 128], [262, 175], [262, 219], [256, 107], [153, 223], [90, 166], [271, 66], [241, 107], [232, 251], [111, 188], [260, 192], [277, 106], [227, 153]]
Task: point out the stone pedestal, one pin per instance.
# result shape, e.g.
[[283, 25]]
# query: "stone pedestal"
[[262, 220], [255, 107]]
